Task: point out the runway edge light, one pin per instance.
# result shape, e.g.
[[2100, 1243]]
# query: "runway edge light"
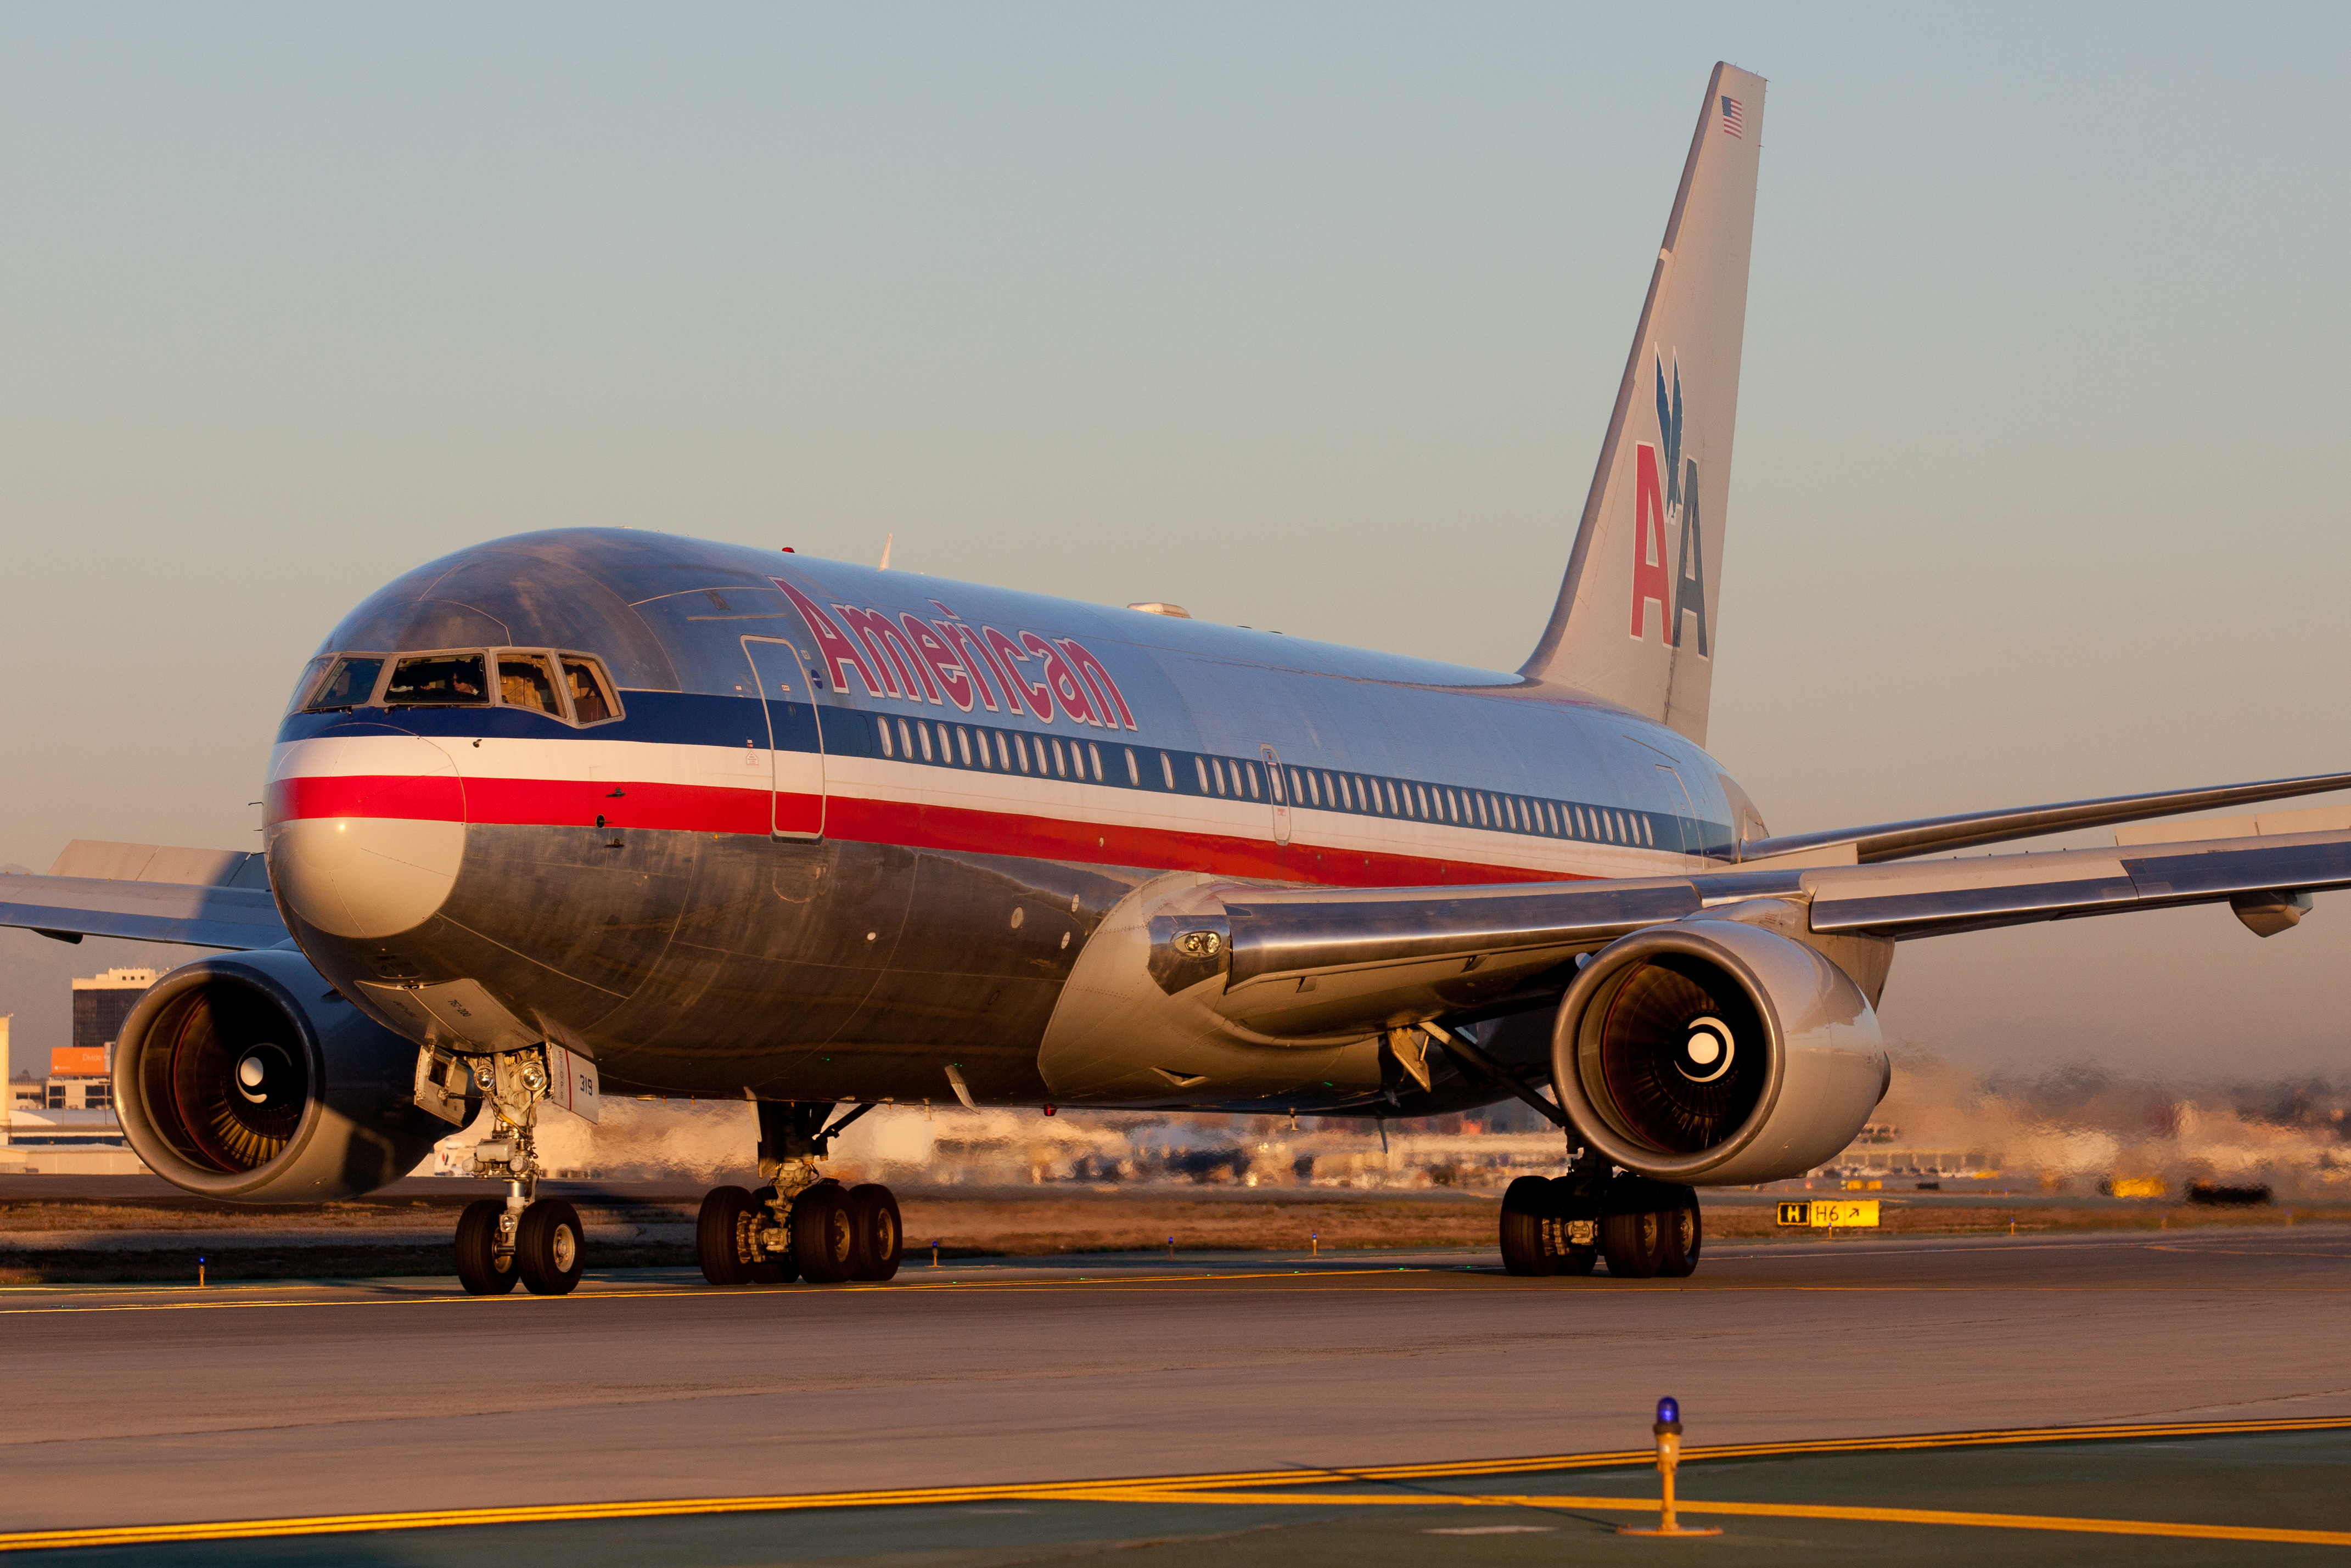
[[1668, 1430]]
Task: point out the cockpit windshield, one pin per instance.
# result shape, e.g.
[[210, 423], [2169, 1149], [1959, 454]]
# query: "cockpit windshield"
[[524, 682], [342, 682], [569, 688], [438, 680], [590, 698]]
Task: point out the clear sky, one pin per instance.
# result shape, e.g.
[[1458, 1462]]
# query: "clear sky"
[[1302, 316]]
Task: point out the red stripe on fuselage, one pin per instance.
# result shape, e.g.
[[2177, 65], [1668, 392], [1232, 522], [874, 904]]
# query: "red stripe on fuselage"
[[432, 796], [685, 808]]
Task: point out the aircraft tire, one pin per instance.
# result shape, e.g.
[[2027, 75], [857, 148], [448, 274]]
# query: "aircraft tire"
[[717, 1235], [1526, 1204], [876, 1233], [1631, 1243], [550, 1248], [1680, 1234], [480, 1269], [822, 1242]]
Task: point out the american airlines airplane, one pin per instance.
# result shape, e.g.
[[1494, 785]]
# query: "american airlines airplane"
[[594, 812]]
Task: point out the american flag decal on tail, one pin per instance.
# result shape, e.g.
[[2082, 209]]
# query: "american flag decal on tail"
[[1734, 122]]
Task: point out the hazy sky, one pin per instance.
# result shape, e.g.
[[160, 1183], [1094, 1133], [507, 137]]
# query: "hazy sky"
[[1301, 316]]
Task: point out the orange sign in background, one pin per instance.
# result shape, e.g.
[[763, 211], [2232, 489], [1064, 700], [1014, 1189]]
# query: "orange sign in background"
[[78, 1060]]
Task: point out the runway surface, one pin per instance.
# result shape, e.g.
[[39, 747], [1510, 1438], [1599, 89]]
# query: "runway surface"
[[151, 1406]]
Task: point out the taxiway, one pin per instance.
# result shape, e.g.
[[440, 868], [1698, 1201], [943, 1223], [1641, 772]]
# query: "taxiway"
[[136, 1405]]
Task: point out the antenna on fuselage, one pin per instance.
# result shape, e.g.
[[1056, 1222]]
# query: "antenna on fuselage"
[[887, 541]]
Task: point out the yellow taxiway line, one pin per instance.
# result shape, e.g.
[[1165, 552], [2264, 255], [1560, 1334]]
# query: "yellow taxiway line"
[[1268, 1488], [1555, 1503]]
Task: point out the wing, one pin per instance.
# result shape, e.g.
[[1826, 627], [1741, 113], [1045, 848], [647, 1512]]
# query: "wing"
[[203, 898], [1972, 830], [1298, 965]]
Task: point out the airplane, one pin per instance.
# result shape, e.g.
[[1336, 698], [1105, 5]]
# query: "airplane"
[[587, 812]]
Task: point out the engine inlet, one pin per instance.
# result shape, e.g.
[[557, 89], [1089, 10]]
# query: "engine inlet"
[[1681, 1054], [223, 1076]]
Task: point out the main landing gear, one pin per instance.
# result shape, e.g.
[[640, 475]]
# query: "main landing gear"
[[803, 1225], [1564, 1225], [523, 1239]]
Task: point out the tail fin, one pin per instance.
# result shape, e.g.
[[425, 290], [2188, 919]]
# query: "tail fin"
[[1635, 618]]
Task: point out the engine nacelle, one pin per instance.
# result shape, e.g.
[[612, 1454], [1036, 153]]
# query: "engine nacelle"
[[247, 1078], [1709, 1051]]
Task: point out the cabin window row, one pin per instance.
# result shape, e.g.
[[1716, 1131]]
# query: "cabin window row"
[[948, 745], [571, 687]]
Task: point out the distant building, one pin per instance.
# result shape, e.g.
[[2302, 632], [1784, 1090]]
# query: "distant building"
[[65, 1124], [100, 1004]]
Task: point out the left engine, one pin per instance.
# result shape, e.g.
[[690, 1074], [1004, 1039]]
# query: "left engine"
[[248, 1078], [1709, 1051]]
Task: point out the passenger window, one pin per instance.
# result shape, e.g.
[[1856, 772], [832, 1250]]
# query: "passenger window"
[[882, 725], [923, 734], [1003, 757], [1093, 755], [1060, 761], [1248, 776], [346, 682], [1201, 768], [1133, 771], [1273, 784], [525, 681], [963, 745], [591, 695], [1216, 766], [1020, 750], [1167, 769], [438, 680]]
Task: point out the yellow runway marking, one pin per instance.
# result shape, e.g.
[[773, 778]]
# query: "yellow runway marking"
[[1766, 1509], [1266, 1488]]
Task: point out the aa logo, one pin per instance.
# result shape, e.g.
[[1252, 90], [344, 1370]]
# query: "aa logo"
[[1668, 510]]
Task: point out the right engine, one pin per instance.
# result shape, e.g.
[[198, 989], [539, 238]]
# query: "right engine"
[[248, 1078], [1712, 1051]]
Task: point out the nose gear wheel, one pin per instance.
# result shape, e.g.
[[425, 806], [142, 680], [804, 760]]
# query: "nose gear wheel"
[[485, 1257], [549, 1253]]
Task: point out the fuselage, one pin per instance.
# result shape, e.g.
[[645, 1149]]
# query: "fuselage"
[[806, 830]]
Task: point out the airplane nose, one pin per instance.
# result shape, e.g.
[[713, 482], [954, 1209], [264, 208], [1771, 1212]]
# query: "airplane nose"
[[366, 832]]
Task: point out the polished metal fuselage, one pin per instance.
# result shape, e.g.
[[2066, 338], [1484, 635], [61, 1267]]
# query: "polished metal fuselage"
[[830, 852]]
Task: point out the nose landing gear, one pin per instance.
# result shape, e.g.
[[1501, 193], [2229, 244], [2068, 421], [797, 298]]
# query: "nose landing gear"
[[526, 1240], [1563, 1226], [803, 1225]]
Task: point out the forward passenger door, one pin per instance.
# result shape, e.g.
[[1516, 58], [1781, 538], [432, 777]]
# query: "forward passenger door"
[[795, 737]]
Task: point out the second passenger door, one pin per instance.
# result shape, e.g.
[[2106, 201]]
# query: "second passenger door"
[[795, 737]]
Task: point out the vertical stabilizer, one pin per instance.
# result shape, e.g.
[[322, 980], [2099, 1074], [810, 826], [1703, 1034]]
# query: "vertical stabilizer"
[[1635, 618]]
